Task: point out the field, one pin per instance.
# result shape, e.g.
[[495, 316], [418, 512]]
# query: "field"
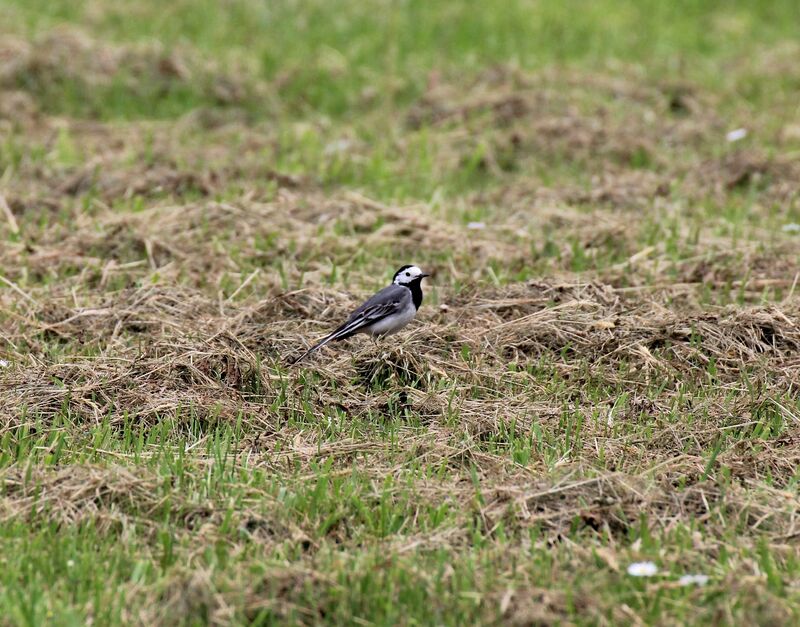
[[604, 371]]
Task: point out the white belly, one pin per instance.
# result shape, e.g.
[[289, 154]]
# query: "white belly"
[[392, 324]]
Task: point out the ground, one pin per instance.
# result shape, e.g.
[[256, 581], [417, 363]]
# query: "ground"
[[604, 370]]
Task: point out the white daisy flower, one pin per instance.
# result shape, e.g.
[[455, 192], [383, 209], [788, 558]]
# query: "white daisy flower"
[[642, 569], [688, 580], [736, 135]]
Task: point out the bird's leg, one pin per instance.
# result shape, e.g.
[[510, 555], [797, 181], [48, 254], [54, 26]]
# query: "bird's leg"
[[384, 355]]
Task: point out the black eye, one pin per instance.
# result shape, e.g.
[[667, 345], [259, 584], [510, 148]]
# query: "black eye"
[[408, 274]]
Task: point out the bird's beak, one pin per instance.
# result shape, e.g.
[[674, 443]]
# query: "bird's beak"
[[423, 275]]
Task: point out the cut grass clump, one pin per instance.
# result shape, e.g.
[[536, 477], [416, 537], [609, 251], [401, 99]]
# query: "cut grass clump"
[[392, 369]]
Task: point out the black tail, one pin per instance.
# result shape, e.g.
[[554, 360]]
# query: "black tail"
[[352, 326], [316, 346], [342, 333]]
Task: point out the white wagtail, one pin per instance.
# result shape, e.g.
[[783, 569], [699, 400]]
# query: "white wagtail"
[[385, 313]]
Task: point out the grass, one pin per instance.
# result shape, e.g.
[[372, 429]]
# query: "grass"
[[603, 371]]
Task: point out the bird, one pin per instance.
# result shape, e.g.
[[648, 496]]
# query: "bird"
[[388, 311]]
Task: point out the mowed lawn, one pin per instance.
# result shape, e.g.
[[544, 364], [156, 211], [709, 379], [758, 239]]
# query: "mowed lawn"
[[604, 371]]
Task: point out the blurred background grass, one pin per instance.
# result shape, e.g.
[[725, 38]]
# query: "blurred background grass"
[[350, 56]]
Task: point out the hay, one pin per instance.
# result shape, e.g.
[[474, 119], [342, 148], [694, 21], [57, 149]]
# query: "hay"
[[143, 291]]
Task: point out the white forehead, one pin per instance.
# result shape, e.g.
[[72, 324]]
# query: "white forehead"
[[403, 276]]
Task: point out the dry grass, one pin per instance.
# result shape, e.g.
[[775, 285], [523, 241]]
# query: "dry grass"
[[605, 367]]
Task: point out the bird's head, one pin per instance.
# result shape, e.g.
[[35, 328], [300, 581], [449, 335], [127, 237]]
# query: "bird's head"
[[408, 274]]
